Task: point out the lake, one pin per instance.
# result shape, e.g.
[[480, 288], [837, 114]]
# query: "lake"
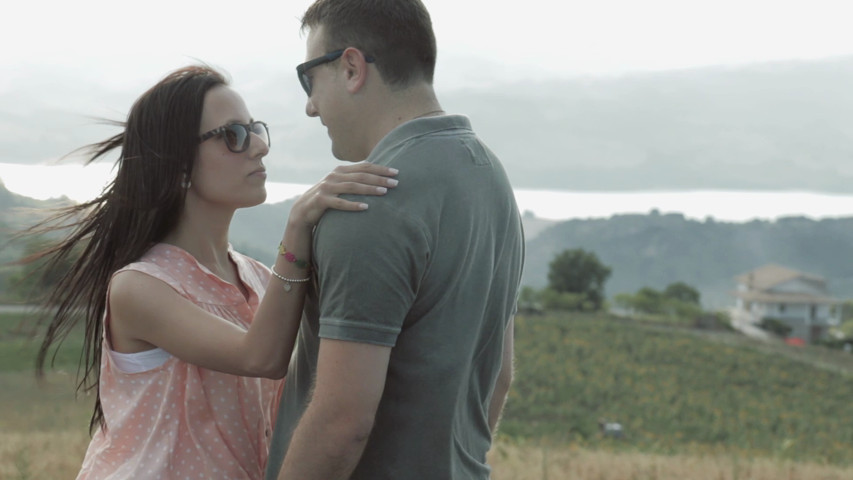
[[82, 183]]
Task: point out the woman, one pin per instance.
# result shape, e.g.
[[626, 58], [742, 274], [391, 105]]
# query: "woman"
[[182, 344]]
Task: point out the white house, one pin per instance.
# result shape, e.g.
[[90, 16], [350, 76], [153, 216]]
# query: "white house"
[[799, 299]]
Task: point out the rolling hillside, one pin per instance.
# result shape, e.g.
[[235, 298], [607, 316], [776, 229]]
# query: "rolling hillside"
[[643, 250], [678, 390], [655, 250], [648, 250]]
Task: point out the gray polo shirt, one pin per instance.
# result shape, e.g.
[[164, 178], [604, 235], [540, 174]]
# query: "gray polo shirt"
[[432, 270]]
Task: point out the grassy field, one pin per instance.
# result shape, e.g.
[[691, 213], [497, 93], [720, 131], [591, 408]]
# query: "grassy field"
[[694, 406], [679, 391]]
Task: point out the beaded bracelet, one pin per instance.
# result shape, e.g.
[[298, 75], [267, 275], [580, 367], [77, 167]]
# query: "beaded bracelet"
[[282, 250], [288, 281]]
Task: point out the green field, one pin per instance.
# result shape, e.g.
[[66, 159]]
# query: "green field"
[[677, 390], [19, 343], [683, 397]]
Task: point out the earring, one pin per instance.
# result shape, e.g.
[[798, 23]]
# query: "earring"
[[186, 184]]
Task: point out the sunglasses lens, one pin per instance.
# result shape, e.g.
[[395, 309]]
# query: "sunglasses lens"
[[260, 130], [235, 137], [306, 83]]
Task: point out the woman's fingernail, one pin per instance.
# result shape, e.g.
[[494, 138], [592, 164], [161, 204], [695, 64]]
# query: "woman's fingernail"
[[392, 182], [381, 189], [393, 171], [362, 206]]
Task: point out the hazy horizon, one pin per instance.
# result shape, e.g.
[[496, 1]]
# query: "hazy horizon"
[[608, 96], [776, 126], [81, 183]]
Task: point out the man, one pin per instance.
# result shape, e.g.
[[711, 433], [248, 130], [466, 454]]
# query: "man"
[[404, 356]]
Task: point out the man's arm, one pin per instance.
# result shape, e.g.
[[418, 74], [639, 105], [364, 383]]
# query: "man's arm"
[[504, 379], [330, 437]]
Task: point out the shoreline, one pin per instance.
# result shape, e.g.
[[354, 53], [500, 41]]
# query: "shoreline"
[[82, 183]]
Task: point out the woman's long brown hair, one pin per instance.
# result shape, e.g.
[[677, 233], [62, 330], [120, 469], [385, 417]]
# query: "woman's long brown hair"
[[135, 210]]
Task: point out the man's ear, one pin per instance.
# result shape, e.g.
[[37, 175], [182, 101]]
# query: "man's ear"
[[355, 68]]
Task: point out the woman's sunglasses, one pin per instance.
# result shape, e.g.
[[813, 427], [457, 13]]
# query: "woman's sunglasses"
[[237, 135]]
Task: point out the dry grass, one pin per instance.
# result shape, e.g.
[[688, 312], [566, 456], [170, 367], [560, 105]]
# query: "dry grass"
[[43, 435], [41, 455], [43, 430], [513, 462]]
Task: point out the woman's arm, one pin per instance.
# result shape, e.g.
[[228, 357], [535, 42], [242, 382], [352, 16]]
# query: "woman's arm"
[[152, 313]]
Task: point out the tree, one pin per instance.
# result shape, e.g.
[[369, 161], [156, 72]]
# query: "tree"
[[679, 300], [649, 300], [682, 292], [580, 272]]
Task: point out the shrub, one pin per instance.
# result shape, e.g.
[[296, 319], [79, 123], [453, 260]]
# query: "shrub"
[[776, 326], [529, 301], [566, 301]]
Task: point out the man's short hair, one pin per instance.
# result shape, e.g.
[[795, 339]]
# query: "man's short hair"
[[397, 33]]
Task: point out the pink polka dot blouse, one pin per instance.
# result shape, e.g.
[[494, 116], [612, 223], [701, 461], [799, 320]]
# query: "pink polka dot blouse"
[[177, 420]]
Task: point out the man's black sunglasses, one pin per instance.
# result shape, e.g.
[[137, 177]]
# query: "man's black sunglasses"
[[237, 135], [302, 69]]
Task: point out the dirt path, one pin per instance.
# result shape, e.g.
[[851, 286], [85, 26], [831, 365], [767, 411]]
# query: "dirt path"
[[742, 322]]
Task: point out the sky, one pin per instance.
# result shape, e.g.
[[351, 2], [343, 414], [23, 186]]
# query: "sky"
[[121, 43], [129, 46]]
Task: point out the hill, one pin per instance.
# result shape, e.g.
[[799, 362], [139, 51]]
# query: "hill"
[[18, 212], [776, 126], [651, 250], [646, 250], [678, 390], [10, 201], [257, 231], [771, 126], [655, 250]]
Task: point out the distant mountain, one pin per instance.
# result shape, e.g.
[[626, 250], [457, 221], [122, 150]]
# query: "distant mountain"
[[18, 212], [256, 231], [775, 126], [643, 250], [10, 201], [772, 126], [655, 250], [533, 225]]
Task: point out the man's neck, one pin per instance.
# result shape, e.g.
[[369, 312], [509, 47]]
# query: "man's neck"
[[399, 107]]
